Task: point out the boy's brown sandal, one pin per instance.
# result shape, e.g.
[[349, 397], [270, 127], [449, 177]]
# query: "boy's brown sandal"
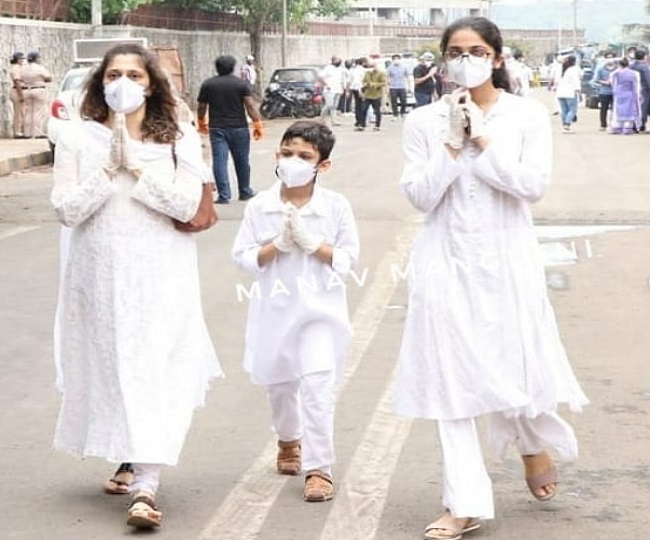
[[121, 481], [289, 461], [143, 512], [318, 487]]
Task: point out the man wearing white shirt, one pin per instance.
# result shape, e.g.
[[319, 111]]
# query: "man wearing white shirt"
[[357, 73], [332, 78]]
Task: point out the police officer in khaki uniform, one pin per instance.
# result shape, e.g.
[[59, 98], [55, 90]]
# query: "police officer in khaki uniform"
[[34, 78], [16, 94]]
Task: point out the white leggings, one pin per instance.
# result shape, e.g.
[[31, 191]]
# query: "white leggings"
[[467, 488], [146, 477], [304, 409]]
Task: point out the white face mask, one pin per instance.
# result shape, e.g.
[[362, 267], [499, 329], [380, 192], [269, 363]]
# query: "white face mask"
[[469, 71], [124, 95], [295, 172]]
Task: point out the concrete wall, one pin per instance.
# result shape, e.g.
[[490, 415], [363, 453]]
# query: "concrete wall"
[[198, 50]]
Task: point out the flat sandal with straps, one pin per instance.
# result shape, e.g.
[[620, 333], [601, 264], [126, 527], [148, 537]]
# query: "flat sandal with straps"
[[121, 482], [143, 512]]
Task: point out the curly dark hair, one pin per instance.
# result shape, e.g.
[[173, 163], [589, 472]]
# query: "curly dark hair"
[[159, 123], [314, 133], [489, 33]]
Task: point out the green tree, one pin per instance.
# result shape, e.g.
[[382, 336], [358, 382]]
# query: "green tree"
[[112, 10], [258, 13]]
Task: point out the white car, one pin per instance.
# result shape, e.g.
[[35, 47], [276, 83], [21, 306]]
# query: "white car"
[[65, 106]]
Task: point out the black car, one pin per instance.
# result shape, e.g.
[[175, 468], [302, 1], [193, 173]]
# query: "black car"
[[587, 75], [294, 91], [305, 77]]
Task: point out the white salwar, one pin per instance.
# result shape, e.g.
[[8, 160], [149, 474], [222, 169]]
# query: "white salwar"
[[480, 335], [135, 357], [298, 326]]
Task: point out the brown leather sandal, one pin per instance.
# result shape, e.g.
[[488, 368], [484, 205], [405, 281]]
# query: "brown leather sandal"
[[548, 478], [289, 457], [121, 481], [143, 512], [318, 487]]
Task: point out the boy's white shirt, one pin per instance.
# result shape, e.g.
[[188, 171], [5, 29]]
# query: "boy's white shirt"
[[296, 295]]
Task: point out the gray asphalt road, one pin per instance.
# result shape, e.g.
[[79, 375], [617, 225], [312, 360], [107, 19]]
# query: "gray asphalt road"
[[388, 473]]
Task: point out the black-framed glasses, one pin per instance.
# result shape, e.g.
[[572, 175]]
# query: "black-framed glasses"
[[476, 52]]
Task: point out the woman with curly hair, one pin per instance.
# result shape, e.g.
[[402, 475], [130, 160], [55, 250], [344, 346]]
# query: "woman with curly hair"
[[134, 354]]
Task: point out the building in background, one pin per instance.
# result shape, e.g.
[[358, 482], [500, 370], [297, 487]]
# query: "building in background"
[[418, 12]]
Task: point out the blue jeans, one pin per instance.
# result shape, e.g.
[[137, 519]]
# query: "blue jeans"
[[237, 141], [568, 110], [422, 99], [398, 94]]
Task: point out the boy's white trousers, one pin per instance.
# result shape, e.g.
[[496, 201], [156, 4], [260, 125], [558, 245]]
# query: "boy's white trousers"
[[304, 409], [146, 477], [467, 488]]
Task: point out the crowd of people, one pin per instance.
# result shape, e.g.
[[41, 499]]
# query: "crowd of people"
[[359, 87], [622, 88], [134, 355]]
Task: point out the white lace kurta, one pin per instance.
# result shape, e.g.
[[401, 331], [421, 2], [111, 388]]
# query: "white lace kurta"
[[298, 316], [135, 354], [480, 334]]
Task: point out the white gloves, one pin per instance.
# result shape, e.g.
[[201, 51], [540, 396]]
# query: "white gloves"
[[115, 152], [475, 118], [294, 233], [305, 240], [130, 160], [457, 118], [284, 242], [122, 153]]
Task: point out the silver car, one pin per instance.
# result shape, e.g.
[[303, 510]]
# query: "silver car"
[[65, 106]]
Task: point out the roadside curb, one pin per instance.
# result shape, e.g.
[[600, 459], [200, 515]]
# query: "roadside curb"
[[10, 165]]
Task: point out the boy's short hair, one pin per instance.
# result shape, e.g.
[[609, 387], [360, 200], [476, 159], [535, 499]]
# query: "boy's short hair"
[[314, 133]]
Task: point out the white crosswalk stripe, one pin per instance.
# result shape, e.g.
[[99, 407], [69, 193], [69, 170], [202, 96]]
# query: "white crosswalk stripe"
[[15, 231]]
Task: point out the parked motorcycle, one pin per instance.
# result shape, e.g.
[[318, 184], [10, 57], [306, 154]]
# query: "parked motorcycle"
[[290, 101]]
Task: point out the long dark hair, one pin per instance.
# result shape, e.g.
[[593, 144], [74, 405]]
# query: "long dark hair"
[[489, 33], [159, 123], [569, 61]]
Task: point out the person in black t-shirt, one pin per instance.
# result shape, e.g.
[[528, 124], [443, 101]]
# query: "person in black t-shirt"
[[227, 98], [424, 79]]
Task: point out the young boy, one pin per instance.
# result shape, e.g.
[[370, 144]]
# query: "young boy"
[[300, 240]]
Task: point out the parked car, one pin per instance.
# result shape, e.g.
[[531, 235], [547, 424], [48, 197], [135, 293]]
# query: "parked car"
[[293, 91], [303, 77], [590, 95], [587, 68], [65, 106]]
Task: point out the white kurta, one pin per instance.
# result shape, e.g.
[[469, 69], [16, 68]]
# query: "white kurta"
[[135, 354], [480, 334], [298, 317]]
